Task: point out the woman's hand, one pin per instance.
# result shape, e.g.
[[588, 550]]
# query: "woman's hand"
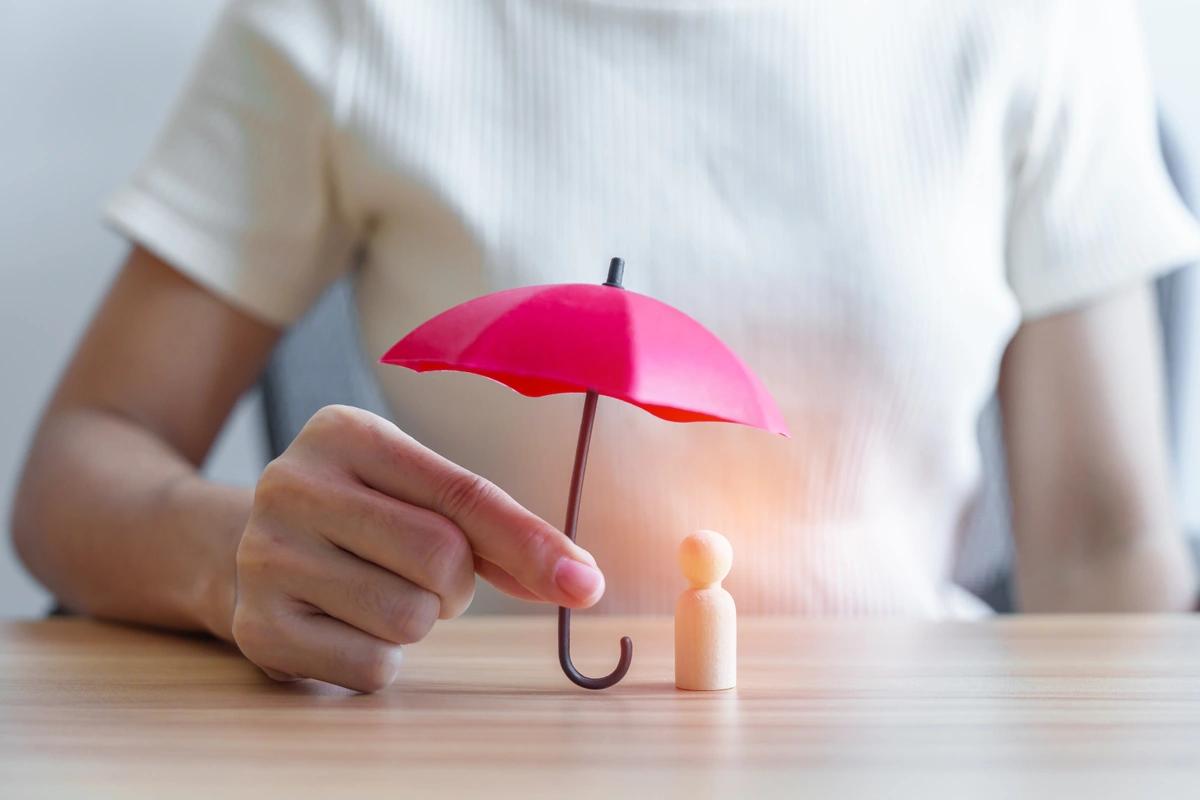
[[360, 539], [355, 541]]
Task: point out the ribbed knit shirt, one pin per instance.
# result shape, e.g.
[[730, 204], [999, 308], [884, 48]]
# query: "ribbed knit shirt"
[[864, 200]]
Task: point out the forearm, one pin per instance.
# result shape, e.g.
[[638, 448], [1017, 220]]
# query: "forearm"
[[1142, 573], [119, 525], [1089, 473]]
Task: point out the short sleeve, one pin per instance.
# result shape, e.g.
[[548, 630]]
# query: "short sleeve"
[[1092, 207], [237, 191]]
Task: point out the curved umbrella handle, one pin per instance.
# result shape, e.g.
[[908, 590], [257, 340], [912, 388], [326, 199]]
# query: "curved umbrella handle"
[[564, 614], [564, 657]]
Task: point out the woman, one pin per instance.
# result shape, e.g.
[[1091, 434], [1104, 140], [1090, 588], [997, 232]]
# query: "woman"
[[886, 209]]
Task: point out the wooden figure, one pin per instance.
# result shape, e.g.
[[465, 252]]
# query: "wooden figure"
[[705, 616]]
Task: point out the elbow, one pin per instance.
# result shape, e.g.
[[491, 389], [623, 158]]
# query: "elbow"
[[1118, 550], [26, 525], [32, 530], [35, 517], [1105, 563]]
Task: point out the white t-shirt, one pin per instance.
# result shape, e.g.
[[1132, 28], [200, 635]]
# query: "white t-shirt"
[[864, 200]]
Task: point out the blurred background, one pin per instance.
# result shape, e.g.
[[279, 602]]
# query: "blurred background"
[[87, 84]]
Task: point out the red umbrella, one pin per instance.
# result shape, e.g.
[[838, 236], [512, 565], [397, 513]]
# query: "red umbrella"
[[598, 340]]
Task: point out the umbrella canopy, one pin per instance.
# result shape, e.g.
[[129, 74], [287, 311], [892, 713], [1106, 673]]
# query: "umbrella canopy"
[[575, 337], [599, 340]]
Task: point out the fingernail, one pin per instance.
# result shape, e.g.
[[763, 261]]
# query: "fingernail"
[[577, 579]]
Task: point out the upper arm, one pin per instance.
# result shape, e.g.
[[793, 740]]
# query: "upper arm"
[[1093, 218], [166, 354], [238, 225], [1084, 417]]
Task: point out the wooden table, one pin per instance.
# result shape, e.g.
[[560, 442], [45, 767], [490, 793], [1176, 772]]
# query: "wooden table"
[[1015, 708]]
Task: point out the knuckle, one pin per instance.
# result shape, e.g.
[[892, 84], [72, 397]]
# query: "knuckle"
[[455, 602], [264, 549], [294, 490], [279, 485], [374, 600], [415, 618], [250, 632], [447, 557], [377, 669], [404, 616], [279, 676], [449, 564], [253, 557], [368, 432], [332, 418], [535, 544], [464, 492]]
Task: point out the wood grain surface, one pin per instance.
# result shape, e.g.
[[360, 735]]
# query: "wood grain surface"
[[1016, 708]]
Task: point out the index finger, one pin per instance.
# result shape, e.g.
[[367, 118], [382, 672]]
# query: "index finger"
[[502, 531]]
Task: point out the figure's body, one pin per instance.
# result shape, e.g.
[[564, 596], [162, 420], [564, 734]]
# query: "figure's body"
[[705, 616]]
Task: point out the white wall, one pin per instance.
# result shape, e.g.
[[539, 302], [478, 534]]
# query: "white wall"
[[84, 85]]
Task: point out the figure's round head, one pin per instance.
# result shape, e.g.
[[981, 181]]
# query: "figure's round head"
[[705, 557]]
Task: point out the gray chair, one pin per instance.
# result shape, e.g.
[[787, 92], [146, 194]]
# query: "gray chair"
[[320, 361]]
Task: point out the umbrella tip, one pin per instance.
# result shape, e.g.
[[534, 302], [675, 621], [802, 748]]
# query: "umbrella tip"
[[616, 271]]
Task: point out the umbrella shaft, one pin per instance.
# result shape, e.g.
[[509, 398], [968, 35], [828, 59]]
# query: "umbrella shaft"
[[581, 454]]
